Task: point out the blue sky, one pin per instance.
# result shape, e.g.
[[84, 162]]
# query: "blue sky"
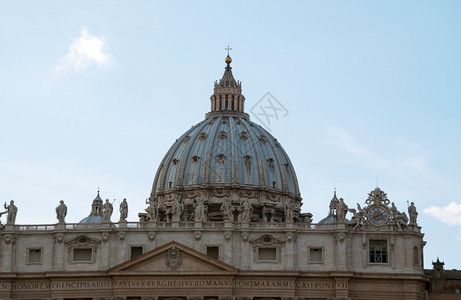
[[93, 93]]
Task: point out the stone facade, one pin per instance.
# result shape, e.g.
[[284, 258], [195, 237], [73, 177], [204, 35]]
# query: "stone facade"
[[240, 237]]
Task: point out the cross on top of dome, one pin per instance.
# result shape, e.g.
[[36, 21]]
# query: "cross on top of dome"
[[227, 95]]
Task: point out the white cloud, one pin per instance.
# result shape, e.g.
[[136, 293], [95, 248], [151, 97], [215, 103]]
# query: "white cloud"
[[450, 214], [85, 51]]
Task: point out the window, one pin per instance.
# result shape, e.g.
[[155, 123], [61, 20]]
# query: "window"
[[378, 251], [268, 254], [315, 255], [34, 256], [213, 252], [415, 256], [135, 252], [83, 255]]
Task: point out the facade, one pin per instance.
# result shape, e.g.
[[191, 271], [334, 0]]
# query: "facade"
[[223, 221], [443, 284]]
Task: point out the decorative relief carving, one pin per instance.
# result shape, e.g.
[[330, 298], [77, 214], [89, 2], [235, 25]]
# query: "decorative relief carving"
[[59, 238], [151, 236], [290, 237], [198, 235], [105, 237], [340, 237], [227, 235], [10, 239], [377, 197], [245, 236], [220, 193], [273, 198], [267, 240], [248, 195], [173, 258], [121, 236]]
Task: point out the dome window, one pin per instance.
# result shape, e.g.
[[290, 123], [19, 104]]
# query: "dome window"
[[221, 158], [262, 138], [175, 161], [202, 136], [270, 161], [195, 158], [247, 161], [244, 135], [186, 138], [222, 135]]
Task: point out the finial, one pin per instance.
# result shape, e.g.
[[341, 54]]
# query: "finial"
[[228, 49], [228, 59]]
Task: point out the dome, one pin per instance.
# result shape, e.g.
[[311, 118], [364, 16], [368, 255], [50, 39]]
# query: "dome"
[[227, 149], [96, 215], [227, 157]]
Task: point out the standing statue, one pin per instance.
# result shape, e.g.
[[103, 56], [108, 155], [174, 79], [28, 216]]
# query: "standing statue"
[[123, 210], [12, 212], [107, 210], [226, 209], [61, 212], [199, 211], [176, 209], [289, 211], [247, 210], [151, 210], [413, 214], [341, 211]]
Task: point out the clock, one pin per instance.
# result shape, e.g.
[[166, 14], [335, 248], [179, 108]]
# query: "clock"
[[378, 215]]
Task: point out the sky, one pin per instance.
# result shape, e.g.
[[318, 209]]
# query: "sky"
[[93, 94]]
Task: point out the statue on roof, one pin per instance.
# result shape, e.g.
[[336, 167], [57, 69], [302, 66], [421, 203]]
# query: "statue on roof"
[[341, 211], [247, 210], [12, 211], [61, 212], [199, 210], [123, 210], [289, 206], [413, 214], [107, 210], [226, 209]]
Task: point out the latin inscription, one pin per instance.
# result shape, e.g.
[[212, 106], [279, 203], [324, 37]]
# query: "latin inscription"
[[264, 284]]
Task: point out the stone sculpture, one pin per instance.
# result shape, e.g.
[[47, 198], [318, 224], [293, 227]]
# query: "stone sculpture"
[[12, 212], [413, 214], [61, 212], [123, 210], [107, 210]]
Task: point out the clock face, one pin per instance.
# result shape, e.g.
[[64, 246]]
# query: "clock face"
[[378, 215]]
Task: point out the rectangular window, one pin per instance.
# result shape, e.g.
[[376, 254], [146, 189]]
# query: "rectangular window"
[[378, 251], [34, 256], [268, 254], [213, 252], [315, 255], [135, 252], [83, 255]]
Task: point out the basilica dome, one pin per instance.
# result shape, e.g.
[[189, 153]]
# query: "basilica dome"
[[227, 157]]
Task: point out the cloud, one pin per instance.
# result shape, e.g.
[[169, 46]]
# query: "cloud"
[[85, 51], [450, 214]]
